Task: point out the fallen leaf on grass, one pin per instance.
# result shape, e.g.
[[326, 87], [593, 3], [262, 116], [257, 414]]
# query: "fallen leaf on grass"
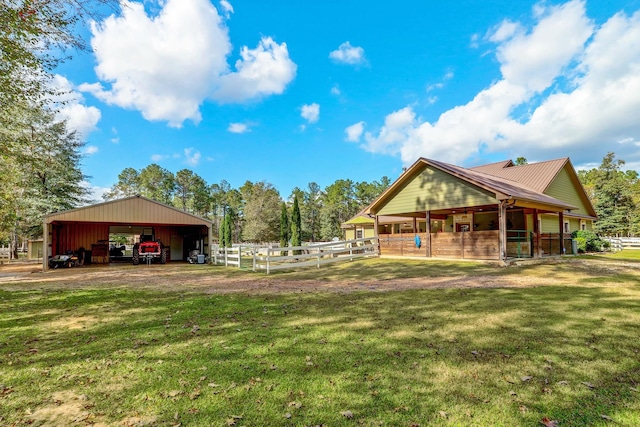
[[523, 409], [287, 415], [525, 378], [606, 417], [347, 414], [587, 384], [443, 414], [549, 423]]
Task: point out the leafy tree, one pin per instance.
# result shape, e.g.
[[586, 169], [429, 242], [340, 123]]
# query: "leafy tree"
[[261, 212], [614, 201], [296, 226], [521, 161], [35, 37], [128, 185], [45, 167], [310, 201], [285, 229], [338, 206], [157, 183]]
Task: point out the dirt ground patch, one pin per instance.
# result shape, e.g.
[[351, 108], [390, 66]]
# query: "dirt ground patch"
[[176, 277]]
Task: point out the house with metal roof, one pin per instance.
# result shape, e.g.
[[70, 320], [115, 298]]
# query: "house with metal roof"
[[495, 211]]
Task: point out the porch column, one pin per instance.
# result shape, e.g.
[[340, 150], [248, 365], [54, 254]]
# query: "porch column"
[[536, 235], [415, 225], [375, 233], [428, 242], [210, 243], [502, 229], [561, 228]]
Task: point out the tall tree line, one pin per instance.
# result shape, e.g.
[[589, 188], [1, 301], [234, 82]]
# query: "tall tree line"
[[39, 156], [615, 195], [255, 210]]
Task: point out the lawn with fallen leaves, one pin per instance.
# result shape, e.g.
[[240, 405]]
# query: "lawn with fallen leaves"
[[564, 350]]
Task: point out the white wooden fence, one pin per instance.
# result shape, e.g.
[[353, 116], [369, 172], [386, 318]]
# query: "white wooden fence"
[[263, 258], [5, 253], [620, 243]]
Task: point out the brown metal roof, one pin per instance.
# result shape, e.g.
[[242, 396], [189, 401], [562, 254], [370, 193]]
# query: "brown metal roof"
[[503, 187], [133, 210], [491, 168], [537, 176]]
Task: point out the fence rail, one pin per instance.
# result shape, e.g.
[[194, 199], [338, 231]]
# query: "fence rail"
[[5, 253], [263, 258], [620, 243]]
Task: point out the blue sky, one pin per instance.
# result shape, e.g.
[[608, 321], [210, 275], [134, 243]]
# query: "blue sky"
[[294, 92]]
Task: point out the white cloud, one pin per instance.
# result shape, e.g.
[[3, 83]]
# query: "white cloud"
[[348, 54], [90, 149], [95, 192], [158, 157], [581, 96], [226, 7], [311, 112], [439, 85], [504, 31], [335, 90], [71, 108], [167, 65], [238, 128], [265, 70], [354, 132], [192, 157]]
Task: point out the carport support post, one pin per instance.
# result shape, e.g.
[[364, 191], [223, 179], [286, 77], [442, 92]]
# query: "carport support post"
[[45, 245]]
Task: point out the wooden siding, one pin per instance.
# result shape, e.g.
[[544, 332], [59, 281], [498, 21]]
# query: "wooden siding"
[[468, 245], [134, 210], [432, 189], [563, 188]]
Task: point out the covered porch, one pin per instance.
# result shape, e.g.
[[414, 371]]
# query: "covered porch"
[[497, 232]]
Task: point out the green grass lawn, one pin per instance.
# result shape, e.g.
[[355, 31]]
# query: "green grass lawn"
[[500, 357]]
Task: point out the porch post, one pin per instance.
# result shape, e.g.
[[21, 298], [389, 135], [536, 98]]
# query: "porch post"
[[536, 234], [428, 218], [415, 225], [502, 229], [561, 228], [375, 233]]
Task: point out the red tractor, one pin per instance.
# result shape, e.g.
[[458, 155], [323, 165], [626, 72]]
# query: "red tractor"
[[149, 248]]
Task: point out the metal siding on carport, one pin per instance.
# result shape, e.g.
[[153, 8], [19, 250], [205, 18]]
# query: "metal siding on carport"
[[82, 227]]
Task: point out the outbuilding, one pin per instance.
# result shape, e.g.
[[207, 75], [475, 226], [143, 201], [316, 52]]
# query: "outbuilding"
[[89, 231]]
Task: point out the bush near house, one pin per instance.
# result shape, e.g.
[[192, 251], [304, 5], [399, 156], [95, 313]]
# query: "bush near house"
[[588, 241]]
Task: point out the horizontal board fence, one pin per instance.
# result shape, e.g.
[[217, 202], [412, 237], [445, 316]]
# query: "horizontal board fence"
[[272, 258], [620, 243], [5, 253]]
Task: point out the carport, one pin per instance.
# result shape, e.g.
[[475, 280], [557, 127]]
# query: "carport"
[[88, 228]]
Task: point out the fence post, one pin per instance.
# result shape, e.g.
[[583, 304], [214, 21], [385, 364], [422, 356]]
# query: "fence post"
[[350, 251], [319, 253], [268, 259], [239, 256], [253, 254], [226, 257]]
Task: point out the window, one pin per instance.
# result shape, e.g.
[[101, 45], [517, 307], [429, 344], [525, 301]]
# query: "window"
[[359, 234], [567, 228]]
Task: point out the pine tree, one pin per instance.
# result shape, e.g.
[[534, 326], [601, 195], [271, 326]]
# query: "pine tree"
[[296, 226], [284, 228]]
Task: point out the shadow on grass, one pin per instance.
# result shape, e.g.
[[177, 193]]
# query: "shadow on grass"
[[448, 356]]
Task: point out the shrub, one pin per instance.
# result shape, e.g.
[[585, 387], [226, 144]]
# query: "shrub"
[[588, 241]]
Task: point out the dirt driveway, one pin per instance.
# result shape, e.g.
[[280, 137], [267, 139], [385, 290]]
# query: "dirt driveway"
[[177, 277]]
